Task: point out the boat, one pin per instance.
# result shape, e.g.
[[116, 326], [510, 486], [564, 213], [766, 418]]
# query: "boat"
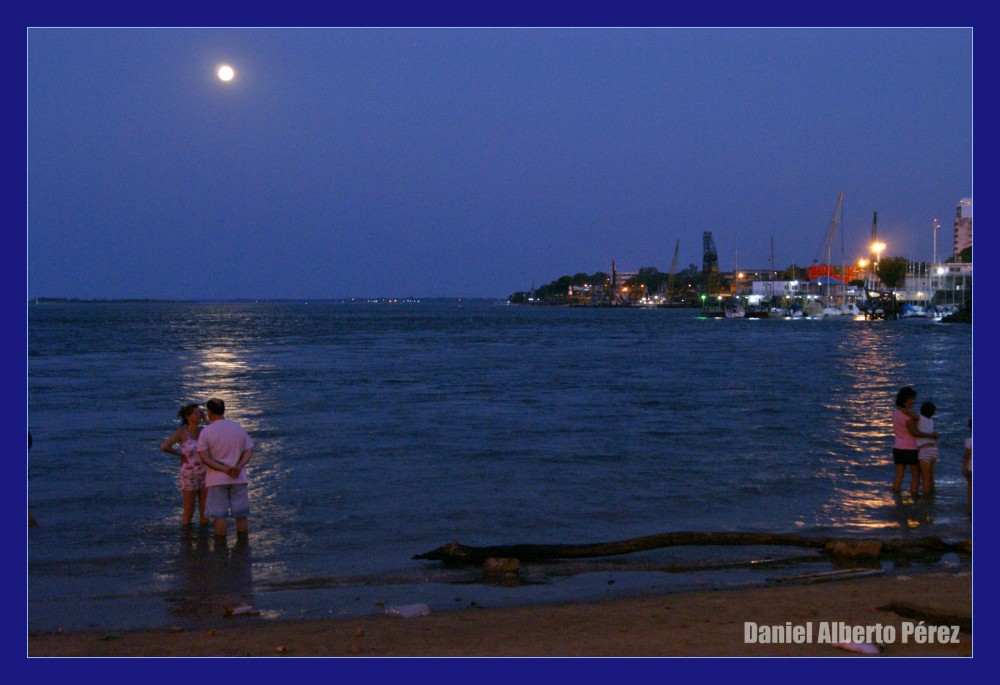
[[939, 311], [794, 312], [850, 309], [831, 310]]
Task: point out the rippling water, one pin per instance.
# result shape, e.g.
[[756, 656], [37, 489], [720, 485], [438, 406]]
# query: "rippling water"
[[384, 431]]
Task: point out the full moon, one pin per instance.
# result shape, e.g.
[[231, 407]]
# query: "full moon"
[[226, 73]]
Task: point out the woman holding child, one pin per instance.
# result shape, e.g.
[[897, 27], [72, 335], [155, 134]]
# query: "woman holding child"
[[905, 450]]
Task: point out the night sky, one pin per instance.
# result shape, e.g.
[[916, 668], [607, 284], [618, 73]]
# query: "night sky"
[[475, 162]]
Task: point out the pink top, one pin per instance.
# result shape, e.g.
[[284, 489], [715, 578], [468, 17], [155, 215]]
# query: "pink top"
[[904, 439]]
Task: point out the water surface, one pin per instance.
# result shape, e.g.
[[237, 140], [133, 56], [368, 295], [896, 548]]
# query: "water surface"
[[384, 431]]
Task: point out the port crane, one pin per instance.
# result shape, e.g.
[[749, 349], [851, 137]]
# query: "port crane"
[[710, 263], [879, 303]]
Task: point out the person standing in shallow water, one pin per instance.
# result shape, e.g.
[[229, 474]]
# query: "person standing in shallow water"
[[225, 448], [927, 449], [192, 470], [905, 449]]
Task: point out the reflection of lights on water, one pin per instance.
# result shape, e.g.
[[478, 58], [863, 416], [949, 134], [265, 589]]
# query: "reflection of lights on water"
[[872, 507], [223, 366], [221, 361], [215, 372], [224, 373], [860, 459]]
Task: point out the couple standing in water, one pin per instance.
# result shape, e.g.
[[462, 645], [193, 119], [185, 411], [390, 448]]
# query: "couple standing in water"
[[213, 466]]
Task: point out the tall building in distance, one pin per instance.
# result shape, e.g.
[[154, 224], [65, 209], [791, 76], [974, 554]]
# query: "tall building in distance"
[[963, 224]]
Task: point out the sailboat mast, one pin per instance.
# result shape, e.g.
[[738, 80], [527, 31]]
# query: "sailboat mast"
[[770, 278], [873, 257], [831, 233], [843, 270], [874, 234]]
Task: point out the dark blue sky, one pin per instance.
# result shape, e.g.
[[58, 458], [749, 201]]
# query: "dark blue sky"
[[473, 162]]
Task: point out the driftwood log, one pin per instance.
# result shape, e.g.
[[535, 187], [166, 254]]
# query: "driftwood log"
[[457, 554], [931, 615]]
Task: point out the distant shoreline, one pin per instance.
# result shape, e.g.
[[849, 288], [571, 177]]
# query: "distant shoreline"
[[258, 300]]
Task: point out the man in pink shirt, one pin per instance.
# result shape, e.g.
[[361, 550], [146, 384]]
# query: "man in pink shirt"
[[225, 448]]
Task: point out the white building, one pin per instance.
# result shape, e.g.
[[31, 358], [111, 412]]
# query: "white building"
[[769, 289], [946, 283], [963, 225], [952, 283]]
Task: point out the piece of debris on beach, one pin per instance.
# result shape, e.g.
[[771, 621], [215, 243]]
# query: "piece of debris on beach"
[[241, 610], [859, 647], [409, 610]]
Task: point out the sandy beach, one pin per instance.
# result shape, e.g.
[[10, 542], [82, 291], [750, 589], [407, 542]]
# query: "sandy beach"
[[708, 623]]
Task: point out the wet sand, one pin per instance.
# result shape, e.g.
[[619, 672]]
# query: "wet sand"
[[707, 623]]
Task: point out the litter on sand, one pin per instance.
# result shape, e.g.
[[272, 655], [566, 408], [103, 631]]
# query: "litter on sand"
[[409, 610], [859, 647], [241, 610]]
